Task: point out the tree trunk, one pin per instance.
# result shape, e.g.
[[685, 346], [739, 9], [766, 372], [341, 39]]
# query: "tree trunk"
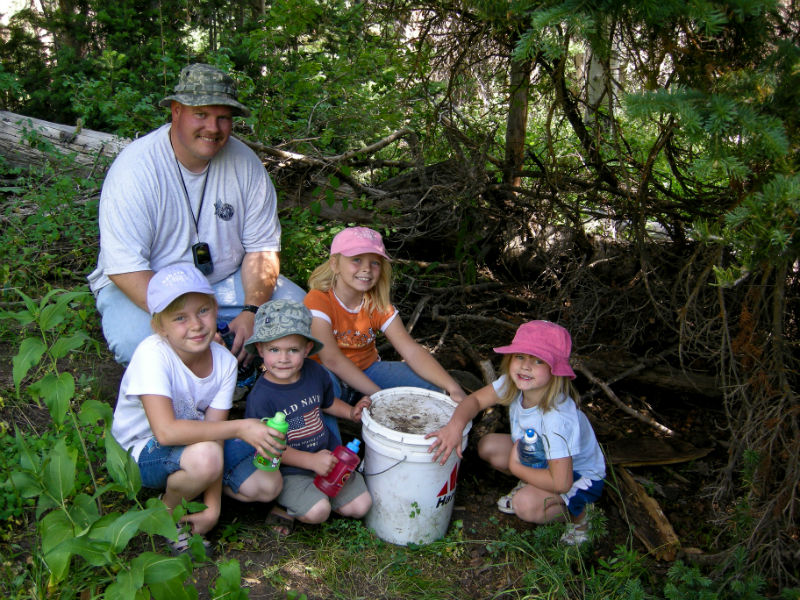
[[517, 124]]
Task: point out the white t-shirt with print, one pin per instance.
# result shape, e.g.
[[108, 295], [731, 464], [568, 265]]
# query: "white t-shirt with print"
[[145, 220], [155, 368]]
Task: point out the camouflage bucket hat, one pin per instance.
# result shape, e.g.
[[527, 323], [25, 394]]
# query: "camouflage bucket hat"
[[279, 318], [204, 85]]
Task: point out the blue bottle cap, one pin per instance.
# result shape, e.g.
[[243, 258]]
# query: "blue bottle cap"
[[354, 445]]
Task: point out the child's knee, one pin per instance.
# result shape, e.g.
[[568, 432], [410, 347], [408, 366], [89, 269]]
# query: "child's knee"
[[494, 449], [262, 486], [318, 513], [528, 511], [203, 461], [536, 508], [358, 507]]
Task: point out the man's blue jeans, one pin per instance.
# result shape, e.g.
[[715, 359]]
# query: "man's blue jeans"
[[125, 324]]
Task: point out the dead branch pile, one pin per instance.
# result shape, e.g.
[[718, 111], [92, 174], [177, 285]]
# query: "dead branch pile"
[[637, 310]]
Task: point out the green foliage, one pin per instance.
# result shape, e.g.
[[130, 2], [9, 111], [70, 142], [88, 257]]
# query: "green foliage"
[[49, 217], [109, 61], [81, 545], [729, 129], [305, 242], [328, 76], [763, 228], [106, 99], [688, 582], [10, 87]]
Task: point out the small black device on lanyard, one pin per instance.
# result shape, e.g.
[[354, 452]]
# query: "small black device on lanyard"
[[201, 251], [202, 258]]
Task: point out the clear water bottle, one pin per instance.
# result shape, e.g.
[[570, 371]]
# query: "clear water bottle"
[[531, 450]]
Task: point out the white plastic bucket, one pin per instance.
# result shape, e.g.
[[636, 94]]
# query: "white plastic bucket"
[[412, 496]]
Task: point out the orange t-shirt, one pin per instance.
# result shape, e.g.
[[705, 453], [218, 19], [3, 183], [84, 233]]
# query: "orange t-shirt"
[[354, 331]]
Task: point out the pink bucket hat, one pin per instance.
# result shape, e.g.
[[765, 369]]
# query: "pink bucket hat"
[[172, 282], [358, 240], [546, 340]]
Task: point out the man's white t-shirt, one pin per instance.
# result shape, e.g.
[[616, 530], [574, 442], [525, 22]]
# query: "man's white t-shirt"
[[155, 368], [146, 223]]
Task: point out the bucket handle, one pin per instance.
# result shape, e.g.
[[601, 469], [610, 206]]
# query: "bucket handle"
[[389, 468]]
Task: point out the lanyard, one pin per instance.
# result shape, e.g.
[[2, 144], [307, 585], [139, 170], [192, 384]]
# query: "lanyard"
[[186, 194]]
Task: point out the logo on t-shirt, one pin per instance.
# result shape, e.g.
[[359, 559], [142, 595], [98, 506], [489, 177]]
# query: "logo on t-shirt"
[[223, 210], [304, 426]]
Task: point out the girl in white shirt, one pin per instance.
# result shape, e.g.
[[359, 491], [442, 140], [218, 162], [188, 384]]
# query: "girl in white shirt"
[[537, 387]]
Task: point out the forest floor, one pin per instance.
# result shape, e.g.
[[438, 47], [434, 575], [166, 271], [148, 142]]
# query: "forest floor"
[[680, 489]]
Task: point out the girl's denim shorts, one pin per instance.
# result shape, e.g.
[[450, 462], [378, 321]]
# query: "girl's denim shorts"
[[157, 463]]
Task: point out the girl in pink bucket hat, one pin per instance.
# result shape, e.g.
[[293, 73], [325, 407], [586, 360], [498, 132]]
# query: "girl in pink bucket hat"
[[536, 385], [350, 302]]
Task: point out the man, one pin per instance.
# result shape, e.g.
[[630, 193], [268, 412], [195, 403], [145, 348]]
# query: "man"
[[188, 192]]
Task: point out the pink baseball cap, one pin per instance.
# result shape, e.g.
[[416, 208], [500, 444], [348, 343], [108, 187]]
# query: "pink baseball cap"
[[172, 282], [546, 340], [358, 240]]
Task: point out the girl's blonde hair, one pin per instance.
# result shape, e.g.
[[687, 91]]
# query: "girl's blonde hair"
[[323, 278], [156, 321], [559, 386]]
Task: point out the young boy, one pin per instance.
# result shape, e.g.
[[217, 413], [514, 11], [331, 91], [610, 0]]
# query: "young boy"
[[302, 389], [173, 404]]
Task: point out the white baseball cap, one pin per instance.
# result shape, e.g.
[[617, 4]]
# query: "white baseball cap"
[[173, 281]]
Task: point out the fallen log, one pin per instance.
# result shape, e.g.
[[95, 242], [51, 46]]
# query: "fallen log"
[[579, 366], [645, 517], [25, 142], [609, 367], [649, 451]]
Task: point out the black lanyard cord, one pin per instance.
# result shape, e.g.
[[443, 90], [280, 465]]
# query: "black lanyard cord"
[[186, 193]]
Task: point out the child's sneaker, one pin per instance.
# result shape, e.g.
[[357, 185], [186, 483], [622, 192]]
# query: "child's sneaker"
[[504, 502], [577, 533], [181, 545]]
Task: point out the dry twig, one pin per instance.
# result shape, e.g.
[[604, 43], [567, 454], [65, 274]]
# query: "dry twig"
[[619, 403]]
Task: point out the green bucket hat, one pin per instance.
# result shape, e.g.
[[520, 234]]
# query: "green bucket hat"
[[204, 85], [279, 318]]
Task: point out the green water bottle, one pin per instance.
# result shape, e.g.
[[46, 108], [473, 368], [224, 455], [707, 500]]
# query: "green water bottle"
[[278, 422]]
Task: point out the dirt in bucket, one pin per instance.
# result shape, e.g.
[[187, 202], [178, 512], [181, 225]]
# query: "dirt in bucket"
[[412, 414]]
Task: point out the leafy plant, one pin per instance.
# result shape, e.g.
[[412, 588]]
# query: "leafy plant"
[[49, 216], [81, 546], [305, 242]]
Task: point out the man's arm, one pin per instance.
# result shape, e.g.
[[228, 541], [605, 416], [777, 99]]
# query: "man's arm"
[[134, 286], [259, 276]]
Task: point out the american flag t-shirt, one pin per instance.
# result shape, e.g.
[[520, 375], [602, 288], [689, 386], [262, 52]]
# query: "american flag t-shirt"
[[304, 426]]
